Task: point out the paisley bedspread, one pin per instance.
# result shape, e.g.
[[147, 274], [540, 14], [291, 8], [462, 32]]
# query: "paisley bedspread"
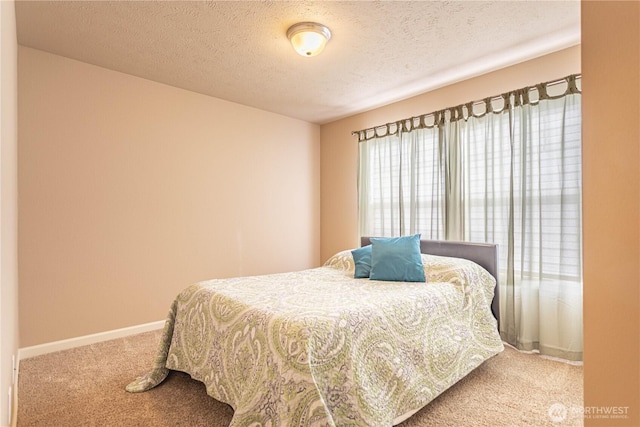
[[320, 348]]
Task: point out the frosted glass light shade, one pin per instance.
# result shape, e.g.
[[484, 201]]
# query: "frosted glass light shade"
[[308, 38]]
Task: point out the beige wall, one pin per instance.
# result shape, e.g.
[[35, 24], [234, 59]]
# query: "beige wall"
[[339, 150], [130, 190], [611, 205], [8, 203]]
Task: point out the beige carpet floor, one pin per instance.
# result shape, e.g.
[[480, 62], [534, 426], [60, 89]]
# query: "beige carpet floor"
[[85, 387]]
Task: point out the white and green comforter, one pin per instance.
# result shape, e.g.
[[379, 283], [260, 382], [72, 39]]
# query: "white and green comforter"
[[320, 348]]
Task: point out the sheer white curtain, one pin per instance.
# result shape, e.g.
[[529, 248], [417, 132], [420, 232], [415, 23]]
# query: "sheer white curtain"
[[522, 190], [401, 184], [508, 174]]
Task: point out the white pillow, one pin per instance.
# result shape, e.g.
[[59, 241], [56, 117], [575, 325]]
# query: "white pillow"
[[341, 261]]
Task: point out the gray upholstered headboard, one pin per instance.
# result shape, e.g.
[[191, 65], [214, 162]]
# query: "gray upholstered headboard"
[[484, 254]]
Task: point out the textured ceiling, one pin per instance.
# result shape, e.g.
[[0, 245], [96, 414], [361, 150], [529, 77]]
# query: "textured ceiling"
[[380, 52]]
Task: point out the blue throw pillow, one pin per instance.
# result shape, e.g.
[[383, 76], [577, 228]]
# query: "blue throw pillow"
[[362, 260], [397, 259]]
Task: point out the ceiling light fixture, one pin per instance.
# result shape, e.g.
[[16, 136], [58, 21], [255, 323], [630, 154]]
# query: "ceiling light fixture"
[[308, 38]]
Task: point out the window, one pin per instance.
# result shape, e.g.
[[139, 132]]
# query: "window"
[[509, 175]]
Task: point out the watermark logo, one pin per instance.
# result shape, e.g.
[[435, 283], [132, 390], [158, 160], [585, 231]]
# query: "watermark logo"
[[558, 412]]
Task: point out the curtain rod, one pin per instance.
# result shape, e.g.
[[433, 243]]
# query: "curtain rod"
[[570, 80]]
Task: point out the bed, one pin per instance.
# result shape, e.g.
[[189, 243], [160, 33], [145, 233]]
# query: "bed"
[[321, 348]]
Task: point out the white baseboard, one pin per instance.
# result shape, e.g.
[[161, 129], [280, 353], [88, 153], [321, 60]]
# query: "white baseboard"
[[37, 350], [14, 404]]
